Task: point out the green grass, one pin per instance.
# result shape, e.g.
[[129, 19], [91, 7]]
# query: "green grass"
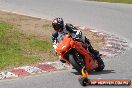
[[3, 28], [40, 45], [13, 44], [116, 1]]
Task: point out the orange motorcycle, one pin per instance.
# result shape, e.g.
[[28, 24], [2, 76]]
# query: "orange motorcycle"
[[77, 54]]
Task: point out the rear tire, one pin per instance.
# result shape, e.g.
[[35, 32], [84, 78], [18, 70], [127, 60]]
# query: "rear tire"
[[100, 65]]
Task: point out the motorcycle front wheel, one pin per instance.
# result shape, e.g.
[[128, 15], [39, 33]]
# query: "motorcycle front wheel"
[[75, 63]]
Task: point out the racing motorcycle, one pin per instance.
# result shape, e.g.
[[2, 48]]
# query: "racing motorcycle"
[[77, 54]]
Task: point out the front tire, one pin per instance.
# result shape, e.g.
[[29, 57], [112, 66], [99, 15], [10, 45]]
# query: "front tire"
[[75, 64]]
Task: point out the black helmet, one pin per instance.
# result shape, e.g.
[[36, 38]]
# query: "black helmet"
[[58, 24]]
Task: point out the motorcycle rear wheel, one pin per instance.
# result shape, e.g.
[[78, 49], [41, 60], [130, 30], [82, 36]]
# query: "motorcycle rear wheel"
[[100, 65]]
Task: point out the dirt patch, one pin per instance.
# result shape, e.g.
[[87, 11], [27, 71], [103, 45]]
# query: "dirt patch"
[[29, 25]]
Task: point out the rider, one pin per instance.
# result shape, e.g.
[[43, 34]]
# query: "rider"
[[61, 29]]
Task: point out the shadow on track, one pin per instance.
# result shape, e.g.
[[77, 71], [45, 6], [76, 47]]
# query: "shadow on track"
[[96, 73]]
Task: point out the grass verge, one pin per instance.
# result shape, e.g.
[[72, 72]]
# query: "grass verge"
[[15, 47]]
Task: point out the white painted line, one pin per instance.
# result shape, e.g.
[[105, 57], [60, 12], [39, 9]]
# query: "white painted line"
[[7, 74], [94, 31]]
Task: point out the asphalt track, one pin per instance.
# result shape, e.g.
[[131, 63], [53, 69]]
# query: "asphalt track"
[[113, 18]]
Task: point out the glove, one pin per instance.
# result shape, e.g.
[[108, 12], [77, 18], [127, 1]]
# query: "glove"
[[54, 46]]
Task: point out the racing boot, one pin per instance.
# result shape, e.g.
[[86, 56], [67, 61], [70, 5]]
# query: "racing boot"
[[63, 61]]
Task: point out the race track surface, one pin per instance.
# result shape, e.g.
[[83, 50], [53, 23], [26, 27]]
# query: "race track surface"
[[112, 18]]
